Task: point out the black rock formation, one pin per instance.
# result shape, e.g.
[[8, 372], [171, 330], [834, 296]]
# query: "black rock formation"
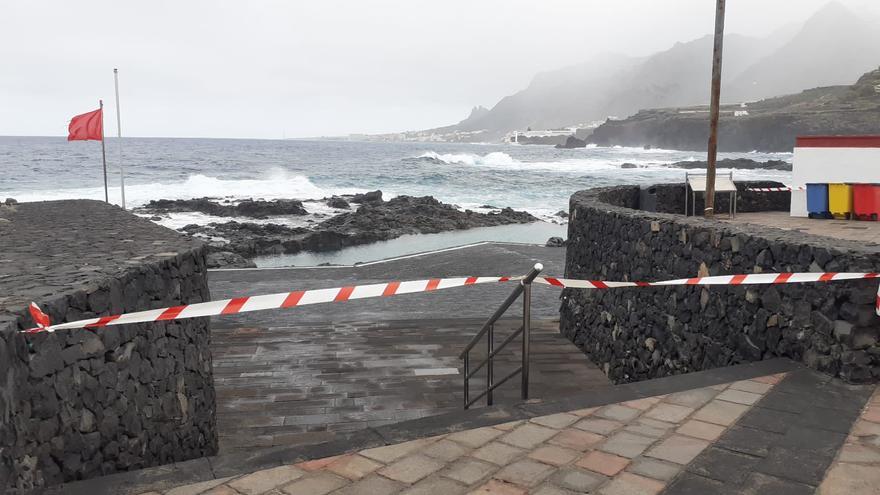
[[738, 163], [247, 208], [371, 222], [572, 142]]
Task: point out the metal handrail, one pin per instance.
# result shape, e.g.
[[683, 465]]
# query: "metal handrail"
[[524, 288]]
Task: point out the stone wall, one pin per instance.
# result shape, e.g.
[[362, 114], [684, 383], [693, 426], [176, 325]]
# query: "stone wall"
[[637, 334], [79, 403], [671, 199]]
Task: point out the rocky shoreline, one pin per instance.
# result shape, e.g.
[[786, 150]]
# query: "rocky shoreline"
[[737, 163], [234, 242]]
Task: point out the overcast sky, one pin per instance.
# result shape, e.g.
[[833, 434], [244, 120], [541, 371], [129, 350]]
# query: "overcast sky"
[[267, 69]]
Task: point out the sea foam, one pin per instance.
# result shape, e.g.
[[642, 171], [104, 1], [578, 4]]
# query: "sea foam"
[[277, 184]]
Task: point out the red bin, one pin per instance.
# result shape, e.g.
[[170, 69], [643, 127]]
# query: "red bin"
[[866, 201]]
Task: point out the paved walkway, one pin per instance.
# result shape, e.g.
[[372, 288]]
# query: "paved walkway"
[[305, 384], [856, 469], [775, 434], [468, 302], [305, 375], [839, 229]]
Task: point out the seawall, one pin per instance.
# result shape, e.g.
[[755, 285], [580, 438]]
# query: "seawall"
[[635, 334], [76, 404]]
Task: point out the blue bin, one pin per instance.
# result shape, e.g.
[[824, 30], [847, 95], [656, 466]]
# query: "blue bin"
[[817, 201]]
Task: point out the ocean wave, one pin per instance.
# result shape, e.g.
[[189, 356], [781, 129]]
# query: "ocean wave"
[[277, 184], [495, 158], [503, 161]]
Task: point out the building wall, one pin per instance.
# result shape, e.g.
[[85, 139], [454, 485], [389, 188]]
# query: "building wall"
[[848, 159], [76, 404], [636, 334]]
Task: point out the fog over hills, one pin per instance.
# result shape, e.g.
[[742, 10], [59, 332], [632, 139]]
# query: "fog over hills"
[[834, 46]]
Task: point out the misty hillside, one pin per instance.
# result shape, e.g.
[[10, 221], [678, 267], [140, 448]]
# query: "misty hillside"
[[771, 124], [834, 46]]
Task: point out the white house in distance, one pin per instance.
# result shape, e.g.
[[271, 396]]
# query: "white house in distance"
[[832, 159]]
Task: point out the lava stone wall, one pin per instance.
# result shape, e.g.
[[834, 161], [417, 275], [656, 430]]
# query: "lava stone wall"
[[671, 199], [76, 404], [641, 333]]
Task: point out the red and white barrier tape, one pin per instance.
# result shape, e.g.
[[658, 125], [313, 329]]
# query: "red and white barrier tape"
[[775, 189], [338, 294], [749, 279], [269, 301]]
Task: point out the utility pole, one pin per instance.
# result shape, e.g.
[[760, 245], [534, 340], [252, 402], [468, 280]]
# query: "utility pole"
[[714, 109]]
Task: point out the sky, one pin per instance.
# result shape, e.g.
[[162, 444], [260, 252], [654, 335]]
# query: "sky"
[[295, 68]]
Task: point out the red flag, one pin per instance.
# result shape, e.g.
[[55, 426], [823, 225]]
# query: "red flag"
[[40, 318], [88, 126]]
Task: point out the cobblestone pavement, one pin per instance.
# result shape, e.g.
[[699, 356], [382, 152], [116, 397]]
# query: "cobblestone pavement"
[[305, 384], [839, 229], [857, 467], [634, 447]]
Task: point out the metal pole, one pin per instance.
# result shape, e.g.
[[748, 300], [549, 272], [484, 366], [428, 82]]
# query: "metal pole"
[[490, 368], [466, 373], [119, 136], [526, 336], [103, 152], [714, 109]]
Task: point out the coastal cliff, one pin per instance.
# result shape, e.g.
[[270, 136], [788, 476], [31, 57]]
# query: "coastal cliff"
[[767, 125]]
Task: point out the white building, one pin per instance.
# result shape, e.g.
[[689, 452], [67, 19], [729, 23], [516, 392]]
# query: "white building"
[[832, 159]]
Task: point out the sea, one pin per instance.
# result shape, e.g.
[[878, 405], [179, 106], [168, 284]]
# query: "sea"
[[538, 179]]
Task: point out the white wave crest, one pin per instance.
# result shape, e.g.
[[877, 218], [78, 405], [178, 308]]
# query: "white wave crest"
[[278, 184], [495, 158]]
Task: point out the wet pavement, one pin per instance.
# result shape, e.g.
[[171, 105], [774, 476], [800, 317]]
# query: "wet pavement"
[[305, 384], [760, 435]]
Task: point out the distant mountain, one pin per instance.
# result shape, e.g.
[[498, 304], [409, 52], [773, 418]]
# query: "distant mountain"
[[834, 46], [769, 125]]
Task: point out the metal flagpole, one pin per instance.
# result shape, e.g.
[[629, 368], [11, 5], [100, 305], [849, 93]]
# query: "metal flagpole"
[[714, 108], [119, 136], [103, 152]]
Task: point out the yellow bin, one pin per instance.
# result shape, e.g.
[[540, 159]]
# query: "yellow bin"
[[840, 200]]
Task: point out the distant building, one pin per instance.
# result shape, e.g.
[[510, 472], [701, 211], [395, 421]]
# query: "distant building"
[[741, 113]]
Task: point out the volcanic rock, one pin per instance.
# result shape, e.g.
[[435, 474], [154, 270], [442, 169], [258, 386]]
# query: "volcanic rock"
[[368, 197], [227, 259], [371, 222], [555, 242], [572, 142], [247, 208], [337, 202], [739, 163]]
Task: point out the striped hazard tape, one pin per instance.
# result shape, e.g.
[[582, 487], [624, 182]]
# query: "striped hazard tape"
[[338, 294], [775, 189], [280, 300], [749, 279]]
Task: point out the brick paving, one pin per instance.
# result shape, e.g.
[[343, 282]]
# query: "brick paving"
[[635, 447], [839, 229], [306, 384], [856, 470]]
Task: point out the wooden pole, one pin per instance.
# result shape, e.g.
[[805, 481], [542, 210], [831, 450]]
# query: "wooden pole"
[[103, 152], [714, 109]]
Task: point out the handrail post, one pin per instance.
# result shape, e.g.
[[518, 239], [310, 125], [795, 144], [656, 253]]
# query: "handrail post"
[[524, 287], [490, 368], [466, 373], [526, 336]]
